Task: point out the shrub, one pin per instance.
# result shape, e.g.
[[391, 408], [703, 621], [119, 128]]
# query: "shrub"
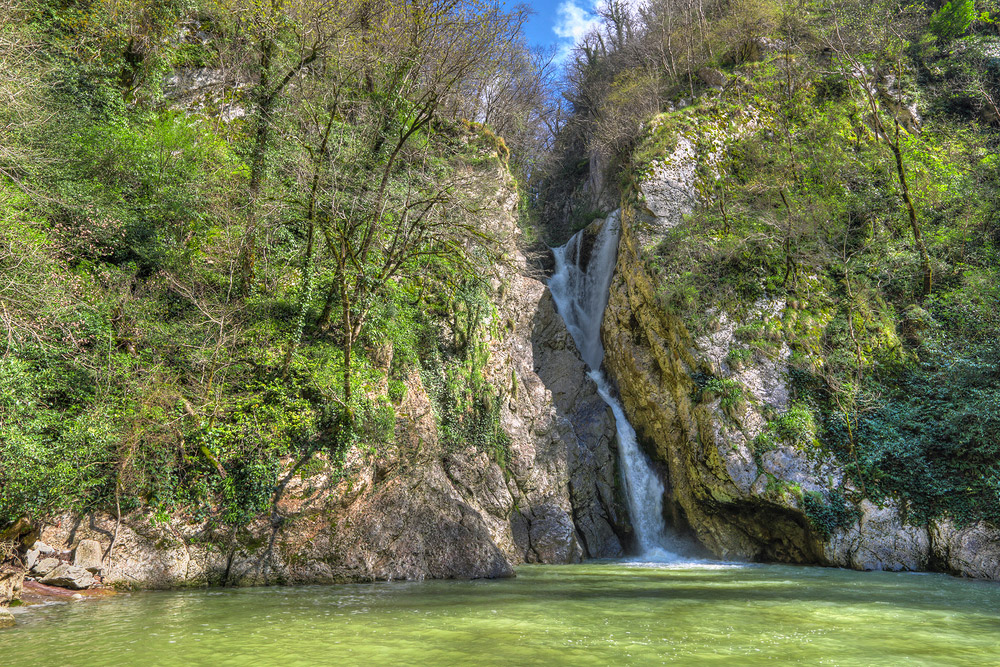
[[727, 389], [828, 514]]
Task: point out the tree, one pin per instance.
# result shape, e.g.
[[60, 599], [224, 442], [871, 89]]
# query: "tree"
[[384, 192], [953, 19], [277, 41], [885, 43]]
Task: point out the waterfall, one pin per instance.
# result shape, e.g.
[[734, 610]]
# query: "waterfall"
[[580, 288]]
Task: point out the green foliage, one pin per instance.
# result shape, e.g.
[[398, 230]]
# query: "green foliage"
[[830, 513], [729, 390], [800, 236], [175, 311], [953, 19], [454, 372], [796, 427], [934, 440]]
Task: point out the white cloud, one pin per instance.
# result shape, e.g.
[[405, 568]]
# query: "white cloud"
[[573, 22], [576, 18]]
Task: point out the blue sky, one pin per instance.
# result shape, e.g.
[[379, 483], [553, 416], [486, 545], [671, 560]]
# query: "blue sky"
[[560, 23]]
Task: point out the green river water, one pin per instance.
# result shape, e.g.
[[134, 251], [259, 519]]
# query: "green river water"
[[601, 613]]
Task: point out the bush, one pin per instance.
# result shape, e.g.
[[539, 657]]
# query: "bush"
[[829, 514], [728, 390]]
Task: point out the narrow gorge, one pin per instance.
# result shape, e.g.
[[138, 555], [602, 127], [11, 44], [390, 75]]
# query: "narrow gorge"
[[452, 332]]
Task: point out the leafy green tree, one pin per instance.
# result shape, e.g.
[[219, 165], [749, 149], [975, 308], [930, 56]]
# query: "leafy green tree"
[[953, 19]]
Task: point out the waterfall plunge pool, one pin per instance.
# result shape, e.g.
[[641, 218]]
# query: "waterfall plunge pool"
[[598, 613]]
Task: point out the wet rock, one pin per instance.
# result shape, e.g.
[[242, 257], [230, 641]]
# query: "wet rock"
[[6, 619], [69, 576], [89, 555]]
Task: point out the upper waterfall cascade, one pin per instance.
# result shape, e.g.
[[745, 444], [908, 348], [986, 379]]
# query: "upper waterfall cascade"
[[580, 287]]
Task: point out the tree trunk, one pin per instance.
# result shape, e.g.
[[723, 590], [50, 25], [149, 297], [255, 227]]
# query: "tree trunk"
[[264, 99], [925, 258]]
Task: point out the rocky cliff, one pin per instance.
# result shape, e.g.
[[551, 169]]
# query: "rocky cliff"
[[737, 502], [419, 508]]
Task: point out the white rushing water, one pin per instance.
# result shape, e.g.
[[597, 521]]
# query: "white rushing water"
[[580, 287]]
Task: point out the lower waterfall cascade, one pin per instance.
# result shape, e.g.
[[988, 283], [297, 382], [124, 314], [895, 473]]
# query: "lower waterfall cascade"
[[580, 287]]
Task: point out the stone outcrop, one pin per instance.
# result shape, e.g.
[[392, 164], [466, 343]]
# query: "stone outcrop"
[[418, 508], [10, 590], [972, 551]]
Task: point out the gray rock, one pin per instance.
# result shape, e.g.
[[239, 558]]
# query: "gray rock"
[[973, 551], [89, 556], [44, 566], [31, 558], [552, 536], [69, 576], [43, 548]]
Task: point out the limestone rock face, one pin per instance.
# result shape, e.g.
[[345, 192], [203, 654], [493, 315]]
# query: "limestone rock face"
[[712, 479], [973, 551], [670, 193], [418, 508], [736, 503], [881, 541]]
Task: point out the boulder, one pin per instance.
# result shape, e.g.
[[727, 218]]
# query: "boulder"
[[69, 576], [89, 555], [6, 619], [10, 586], [713, 77], [44, 566], [552, 537], [31, 558]]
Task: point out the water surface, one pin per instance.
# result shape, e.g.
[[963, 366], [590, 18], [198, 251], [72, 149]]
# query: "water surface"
[[592, 614]]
